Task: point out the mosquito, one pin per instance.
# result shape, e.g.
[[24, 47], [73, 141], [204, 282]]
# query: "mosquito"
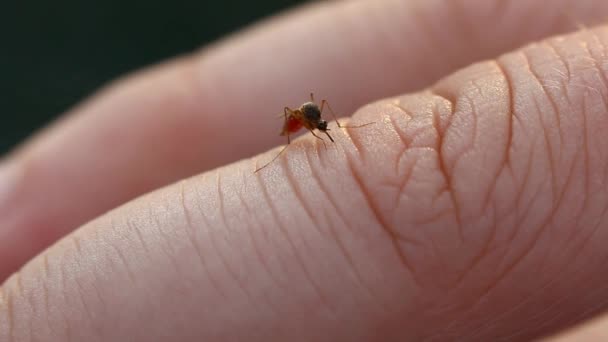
[[307, 116]]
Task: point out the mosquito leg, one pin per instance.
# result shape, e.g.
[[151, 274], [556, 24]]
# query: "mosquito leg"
[[329, 136], [318, 137], [312, 97], [287, 112], [278, 154], [324, 103], [273, 159]]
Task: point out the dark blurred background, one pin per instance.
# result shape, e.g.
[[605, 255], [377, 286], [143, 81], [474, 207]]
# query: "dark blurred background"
[[53, 54]]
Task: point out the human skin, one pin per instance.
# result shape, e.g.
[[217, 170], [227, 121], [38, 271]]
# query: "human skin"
[[473, 209]]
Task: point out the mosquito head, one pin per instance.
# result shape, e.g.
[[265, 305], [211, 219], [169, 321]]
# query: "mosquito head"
[[322, 126]]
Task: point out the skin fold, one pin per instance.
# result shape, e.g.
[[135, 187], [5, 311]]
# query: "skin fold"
[[473, 209]]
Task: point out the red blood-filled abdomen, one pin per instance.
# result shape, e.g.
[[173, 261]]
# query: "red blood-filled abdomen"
[[292, 125]]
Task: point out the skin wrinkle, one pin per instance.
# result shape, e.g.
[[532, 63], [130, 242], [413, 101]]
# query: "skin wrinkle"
[[547, 95], [566, 79], [588, 191], [185, 211], [433, 219], [570, 171], [406, 139], [555, 107], [20, 290], [190, 232], [408, 173], [441, 159], [221, 257], [403, 149], [292, 182], [93, 284], [397, 104], [526, 177], [81, 297], [317, 149], [45, 289], [100, 299], [256, 248], [449, 102], [548, 147], [258, 251], [586, 314], [509, 144], [9, 313], [517, 120], [585, 152], [130, 275], [393, 235], [527, 250], [550, 43], [355, 142], [166, 247], [594, 230], [569, 177], [326, 194], [595, 60], [335, 236], [67, 331], [496, 320], [491, 187], [517, 261], [242, 286], [206, 223], [404, 181], [76, 242], [351, 262], [283, 229], [540, 316], [477, 258], [475, 116], [19, 287], [131, 226], [521, 218], [557, 85], [397, 235], [483, 252], [35, 311], [567, 185], [586, 136]]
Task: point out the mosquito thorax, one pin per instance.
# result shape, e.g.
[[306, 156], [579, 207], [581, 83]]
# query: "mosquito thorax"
[[311, 112]]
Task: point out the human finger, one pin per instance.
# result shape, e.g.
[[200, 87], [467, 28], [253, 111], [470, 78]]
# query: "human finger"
[[474, 211]]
